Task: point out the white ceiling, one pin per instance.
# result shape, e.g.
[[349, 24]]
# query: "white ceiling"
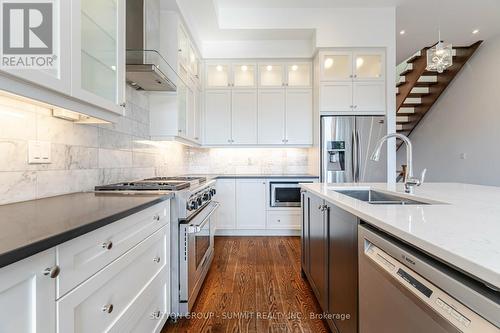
[[419, 18]]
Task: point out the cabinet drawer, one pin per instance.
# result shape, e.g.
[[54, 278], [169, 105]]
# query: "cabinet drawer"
[[150, 310], [82, 257], [99, 302], [283, 219]]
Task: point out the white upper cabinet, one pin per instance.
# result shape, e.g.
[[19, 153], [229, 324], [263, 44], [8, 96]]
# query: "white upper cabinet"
[[217, 75], [27, 294], [59, 77], [271, 116], [244, 116], [244, 75], [218, 117], [368, 66], [98, 48], [271, 75], [184, 46], [298, 118], [352, 81], [336, 66], [298, 75]]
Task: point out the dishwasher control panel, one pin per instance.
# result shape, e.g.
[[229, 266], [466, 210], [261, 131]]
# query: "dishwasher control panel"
[[460, 316]]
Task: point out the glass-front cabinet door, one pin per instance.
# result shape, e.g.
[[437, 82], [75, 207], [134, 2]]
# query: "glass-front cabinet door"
[[53, 55], [336, 66], [271, 75], [99, 52], [298, 75], [369, 65], [218, 75], [244, 75]]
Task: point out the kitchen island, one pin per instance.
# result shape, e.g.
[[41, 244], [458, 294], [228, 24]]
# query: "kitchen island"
[[455, 227]]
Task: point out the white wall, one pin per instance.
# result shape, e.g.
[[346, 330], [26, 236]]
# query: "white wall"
[[464, 120]]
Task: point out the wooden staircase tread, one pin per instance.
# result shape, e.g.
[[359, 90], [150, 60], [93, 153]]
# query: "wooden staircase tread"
[[406, 71], [416, 95], [412, 59], [424, 84]]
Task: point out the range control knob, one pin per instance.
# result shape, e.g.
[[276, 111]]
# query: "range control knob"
[[192, 205], [213, 191], [207, 196], [199, 201]]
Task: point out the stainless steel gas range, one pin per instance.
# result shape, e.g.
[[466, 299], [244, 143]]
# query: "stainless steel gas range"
[[192, 231]]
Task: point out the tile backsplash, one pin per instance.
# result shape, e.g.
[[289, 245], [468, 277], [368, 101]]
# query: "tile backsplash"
[[87, 155]]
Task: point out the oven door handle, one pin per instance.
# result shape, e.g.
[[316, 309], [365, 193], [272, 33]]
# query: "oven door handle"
[[196, 228]]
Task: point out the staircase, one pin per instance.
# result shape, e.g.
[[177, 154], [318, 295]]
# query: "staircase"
[[418, 89]]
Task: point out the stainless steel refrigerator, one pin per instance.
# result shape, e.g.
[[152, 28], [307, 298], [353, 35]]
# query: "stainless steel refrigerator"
[[346, 145]]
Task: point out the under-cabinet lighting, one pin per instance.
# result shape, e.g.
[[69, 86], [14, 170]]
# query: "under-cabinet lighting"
[[244, 68], [328, 63], [402, 32], [475, 31], [269, 68], [219, 68], [295, 67], [359, 62]]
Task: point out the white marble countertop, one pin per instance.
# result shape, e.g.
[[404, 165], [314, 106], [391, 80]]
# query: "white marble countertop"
[[463, 231]]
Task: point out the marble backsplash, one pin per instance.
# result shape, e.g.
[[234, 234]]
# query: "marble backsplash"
[[87, 155]]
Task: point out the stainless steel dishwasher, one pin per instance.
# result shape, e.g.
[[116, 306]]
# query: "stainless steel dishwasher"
[[404, 290]]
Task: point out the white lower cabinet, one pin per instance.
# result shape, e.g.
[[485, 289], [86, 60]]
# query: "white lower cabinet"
[[251, 203], [101, 303], [284, 219], [27, 295], [226, 195]]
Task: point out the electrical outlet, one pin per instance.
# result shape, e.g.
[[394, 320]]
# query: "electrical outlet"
[[39, 152]]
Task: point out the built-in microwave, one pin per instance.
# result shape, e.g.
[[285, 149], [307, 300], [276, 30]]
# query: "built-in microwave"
[[285, 193]]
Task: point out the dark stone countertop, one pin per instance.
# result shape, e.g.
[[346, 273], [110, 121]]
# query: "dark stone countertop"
[[264, 176], [29, 227]]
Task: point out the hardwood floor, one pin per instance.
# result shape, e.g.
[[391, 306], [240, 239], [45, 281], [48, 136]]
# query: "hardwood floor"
[[254, 285]]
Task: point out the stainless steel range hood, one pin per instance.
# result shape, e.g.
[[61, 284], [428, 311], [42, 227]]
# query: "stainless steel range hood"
[[146, 68]]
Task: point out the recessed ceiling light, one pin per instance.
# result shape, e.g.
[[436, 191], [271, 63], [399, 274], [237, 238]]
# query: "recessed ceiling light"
[[402, 32], [475, 31]]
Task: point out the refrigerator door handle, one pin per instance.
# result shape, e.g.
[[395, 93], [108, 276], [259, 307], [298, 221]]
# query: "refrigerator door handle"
[[354, 155], [358, 157]]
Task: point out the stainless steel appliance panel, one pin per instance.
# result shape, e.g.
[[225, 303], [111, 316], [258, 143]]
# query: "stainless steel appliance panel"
[[401, 290], [369, 130], [337, 149], [285, 193]]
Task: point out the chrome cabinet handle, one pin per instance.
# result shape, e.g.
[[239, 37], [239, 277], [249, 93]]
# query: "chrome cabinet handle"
[[156, 217], [156, 314], [157, 260], [52, 272], [107, 245], [123, 105], [108, 308]]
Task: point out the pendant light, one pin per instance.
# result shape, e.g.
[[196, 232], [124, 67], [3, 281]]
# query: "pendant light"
[[440, 56]]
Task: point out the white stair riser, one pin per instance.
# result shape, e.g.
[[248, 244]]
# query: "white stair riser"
[[428, 78], [413, 100], [406, 110], [420, 90], [402, 119]]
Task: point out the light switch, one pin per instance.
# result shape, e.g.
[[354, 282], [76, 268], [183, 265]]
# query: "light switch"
[[39, 152]]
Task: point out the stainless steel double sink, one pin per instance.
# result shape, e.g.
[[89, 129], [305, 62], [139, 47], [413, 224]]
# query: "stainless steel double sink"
[[379, 198]]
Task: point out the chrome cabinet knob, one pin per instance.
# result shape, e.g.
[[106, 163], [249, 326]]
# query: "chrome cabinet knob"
[[157, 260], [156, 314], [156, 217], [107, 245], [52, 272], [123, 105], [108, 308]]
